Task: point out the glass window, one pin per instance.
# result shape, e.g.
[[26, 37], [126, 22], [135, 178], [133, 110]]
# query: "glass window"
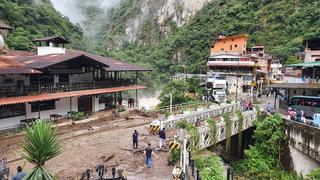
[[43, 106], [308, 102], [316, 103], [12, 110]]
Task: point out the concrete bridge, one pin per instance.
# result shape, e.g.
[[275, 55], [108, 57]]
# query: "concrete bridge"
[[304, 146]]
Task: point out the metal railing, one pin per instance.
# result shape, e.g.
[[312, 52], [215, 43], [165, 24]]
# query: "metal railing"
[[205, 132], [177, 107], [201, 115], [12, 91]]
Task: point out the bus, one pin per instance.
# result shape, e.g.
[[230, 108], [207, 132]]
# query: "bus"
[[309, 104]]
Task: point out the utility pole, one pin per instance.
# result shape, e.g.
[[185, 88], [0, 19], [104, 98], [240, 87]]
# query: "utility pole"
[[171, 102], [237, 81]]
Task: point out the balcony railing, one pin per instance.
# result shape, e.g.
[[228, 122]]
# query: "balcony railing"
[[12, 91]]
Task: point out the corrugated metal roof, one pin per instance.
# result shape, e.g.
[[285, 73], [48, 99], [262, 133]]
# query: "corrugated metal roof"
[[9, 66], [57, 39], [308, 64], [51, 96], [40, 62], [5, 26], [296, 85]]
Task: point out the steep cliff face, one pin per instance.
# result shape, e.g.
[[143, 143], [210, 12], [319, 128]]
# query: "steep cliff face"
[[154, 16]]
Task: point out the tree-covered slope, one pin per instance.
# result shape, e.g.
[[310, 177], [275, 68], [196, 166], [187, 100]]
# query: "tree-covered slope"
[[280, 25], [36, 18]]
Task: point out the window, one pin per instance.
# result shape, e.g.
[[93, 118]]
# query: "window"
[[222, 49], [316, 102], [230, 47], [12, 110], [308, 102], [235, 45], [63, 78], [43, 106], [232, 39]]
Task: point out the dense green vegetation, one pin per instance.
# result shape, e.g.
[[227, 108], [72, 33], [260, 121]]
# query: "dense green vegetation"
[[263, 159], [210, 167], [280, 25], [36, 18]]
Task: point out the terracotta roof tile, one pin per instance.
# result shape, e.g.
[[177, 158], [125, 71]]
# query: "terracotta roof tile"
[[9, 66]]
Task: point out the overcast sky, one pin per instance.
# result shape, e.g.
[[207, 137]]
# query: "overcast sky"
[[70, 9]]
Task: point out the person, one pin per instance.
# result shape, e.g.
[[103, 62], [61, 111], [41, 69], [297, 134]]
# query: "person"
[[303, 119], [149, 153], [162, 136], [20, 174], [269, 108], [135, 139]]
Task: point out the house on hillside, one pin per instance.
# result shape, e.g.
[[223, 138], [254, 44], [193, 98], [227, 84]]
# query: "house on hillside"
[[302, 79], [228, 60], [54, 82]]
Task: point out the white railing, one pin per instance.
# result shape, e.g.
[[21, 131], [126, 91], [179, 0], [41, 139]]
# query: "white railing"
[[201, 115], [205, 133]]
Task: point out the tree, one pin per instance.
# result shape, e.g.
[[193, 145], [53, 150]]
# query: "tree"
[[178, 89], [263, 158], [292, 60], [40, 144], [210, 167], [314, 174], [19, 39]]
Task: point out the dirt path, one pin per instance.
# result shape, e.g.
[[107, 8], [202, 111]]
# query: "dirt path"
[[84, 148]]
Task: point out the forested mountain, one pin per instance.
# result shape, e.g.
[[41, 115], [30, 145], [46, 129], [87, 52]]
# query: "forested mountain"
[[168, 34], [280, 25], [36, 18]]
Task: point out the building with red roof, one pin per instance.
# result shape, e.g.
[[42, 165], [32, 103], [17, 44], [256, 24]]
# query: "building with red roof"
[[57, 81]]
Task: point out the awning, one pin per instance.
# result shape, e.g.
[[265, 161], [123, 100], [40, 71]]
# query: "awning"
[[51, 96], [295, 85], [308, 64]]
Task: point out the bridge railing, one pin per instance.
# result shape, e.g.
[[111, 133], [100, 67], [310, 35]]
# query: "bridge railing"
[[201, 115], [205, 132]]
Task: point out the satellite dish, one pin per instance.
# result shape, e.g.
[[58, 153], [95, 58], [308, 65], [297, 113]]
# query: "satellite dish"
[[1, 42]]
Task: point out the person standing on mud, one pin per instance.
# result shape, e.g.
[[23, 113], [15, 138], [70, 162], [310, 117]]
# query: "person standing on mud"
[[149, 153], [135, 139], [162, 136]]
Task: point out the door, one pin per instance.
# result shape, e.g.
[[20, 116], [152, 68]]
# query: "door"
[[85, 104]]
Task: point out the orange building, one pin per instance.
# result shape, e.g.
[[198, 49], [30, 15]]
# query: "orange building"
[[236, 44]]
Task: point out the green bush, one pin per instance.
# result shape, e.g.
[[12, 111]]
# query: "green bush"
[[174, 157], [77, 116], [210, 167]]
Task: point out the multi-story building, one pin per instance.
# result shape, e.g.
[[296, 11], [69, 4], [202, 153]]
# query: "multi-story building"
[[55, 80], [312, 50], [302, 79], [229, 61]]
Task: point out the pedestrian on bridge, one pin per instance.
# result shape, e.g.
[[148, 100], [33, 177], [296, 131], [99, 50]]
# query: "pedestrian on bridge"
[[135, 136], [162, 136]]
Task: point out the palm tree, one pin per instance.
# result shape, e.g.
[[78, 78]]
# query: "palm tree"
[[40, 144]]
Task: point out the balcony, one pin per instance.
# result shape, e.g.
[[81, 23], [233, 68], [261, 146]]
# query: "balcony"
[[231, 63], [13, 91]]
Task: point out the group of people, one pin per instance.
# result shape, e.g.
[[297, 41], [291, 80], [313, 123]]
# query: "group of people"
[[149, 150], [4, 175], [246, 105], [296, 115]]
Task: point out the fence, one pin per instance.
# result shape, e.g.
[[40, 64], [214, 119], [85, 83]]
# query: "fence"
[[182, 106]]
